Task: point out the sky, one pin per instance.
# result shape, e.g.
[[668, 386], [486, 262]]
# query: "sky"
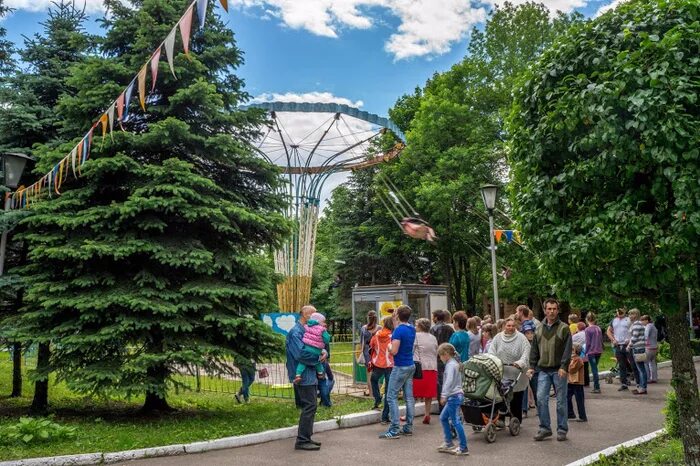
[[364, 53]]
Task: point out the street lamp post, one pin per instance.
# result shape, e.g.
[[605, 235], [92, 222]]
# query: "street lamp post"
[[12, 165], [488, 193]]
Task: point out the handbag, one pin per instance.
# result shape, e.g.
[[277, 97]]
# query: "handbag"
[[418, 373], [361, 352], [263, 373], [640, 355]]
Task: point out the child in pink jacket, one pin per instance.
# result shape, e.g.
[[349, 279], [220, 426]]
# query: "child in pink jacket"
[[315, 339]]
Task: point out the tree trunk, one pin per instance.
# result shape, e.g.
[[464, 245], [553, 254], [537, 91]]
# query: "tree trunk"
[[685, 382], [456, 284], [40, 403], [155, 403], [16, 370], [156, 375]]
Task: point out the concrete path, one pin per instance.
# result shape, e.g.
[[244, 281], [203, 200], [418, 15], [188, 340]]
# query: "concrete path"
[[614, 417]]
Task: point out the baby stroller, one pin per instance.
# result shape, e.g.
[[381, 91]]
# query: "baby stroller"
[[488, 390]]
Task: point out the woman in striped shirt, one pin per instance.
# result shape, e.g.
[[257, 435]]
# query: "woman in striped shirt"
[[637, 347]]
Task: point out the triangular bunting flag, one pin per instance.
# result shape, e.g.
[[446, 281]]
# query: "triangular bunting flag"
[[142, 87], [498, 234], [127, 99], [88, 144], [169, 44], [224, 3], [73, 155], [110, 117], [509, 235], [103, 122], [202, 12], [80, 152], [155, 59], [516, 235], [120, 107], [185, 27]]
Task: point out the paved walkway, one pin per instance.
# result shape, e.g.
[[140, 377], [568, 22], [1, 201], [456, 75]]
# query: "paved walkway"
[[614, 417]]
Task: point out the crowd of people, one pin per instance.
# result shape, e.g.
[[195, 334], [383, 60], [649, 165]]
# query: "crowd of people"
[[423, 360]]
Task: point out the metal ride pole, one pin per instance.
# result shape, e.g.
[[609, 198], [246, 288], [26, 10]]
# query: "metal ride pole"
[[493, 267], [3, 241]]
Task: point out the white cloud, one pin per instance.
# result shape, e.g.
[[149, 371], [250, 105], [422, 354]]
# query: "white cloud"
[[91, 6], [311, 97], [606, 8], [424, 29], [286, 323]]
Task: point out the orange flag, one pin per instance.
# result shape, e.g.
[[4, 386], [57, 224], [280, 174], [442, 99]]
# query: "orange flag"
[[498, 234], [155, 59], [120, 108], [224, 3], [185, 27], [142, 87]]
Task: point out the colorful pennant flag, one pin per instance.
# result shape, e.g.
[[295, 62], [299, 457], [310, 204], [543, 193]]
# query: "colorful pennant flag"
[[110, 117], [169, 44], [185, 27], [518, 239], [509, 235], [498, 234], [202, 12], [224, 4], [142, 87], [120, 107], [155, 59]]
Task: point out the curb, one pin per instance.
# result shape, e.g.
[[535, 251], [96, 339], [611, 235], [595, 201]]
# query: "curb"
[[590, 459], [338, 422]]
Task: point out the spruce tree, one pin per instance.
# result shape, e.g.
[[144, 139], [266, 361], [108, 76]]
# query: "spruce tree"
[[28, 117], [152, 262]]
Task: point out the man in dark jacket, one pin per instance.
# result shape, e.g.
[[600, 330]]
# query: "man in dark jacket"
[[442, 332], [550, 354]]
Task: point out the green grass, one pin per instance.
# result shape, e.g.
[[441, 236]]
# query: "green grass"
[[662, 450], [115, 424]]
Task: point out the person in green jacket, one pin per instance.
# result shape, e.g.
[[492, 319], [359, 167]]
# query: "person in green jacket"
[[550, 354]]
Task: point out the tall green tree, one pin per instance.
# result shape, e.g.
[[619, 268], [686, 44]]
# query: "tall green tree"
[[151, 262], [29, 94], [605, 161]]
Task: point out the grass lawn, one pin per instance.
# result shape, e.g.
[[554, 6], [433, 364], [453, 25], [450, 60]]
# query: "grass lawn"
[[115, 424], [662, 450]]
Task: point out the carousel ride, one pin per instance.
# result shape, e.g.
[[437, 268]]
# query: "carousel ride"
[[315, 145]]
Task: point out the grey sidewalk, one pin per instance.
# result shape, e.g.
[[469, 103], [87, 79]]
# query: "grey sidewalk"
[[614, 417]]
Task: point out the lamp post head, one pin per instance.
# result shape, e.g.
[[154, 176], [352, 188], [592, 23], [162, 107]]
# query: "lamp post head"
[[12, 165], [488, 194]]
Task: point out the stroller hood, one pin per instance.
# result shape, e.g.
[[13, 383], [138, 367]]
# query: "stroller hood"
[[481, 373]]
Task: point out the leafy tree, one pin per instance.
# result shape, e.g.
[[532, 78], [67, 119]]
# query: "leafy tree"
[[7, 64], [152, 262], [605, 161], [28, 117]]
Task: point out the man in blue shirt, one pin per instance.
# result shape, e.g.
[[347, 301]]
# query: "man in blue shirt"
[[402, 340], [306, 390]]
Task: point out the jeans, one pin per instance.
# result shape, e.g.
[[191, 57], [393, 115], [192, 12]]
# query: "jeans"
[[545, 380], [401, 377], [652, 370], [307, 396], [377, 373], [325, 387], [450, 413], [623, 363], [576, 390], [593, 361], [525, 404], [247, 377], [642, 371]]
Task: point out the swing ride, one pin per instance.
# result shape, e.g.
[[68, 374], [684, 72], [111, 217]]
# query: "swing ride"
[[313, 143]]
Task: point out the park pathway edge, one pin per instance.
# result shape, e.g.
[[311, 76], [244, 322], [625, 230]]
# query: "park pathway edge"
[[590, 459]]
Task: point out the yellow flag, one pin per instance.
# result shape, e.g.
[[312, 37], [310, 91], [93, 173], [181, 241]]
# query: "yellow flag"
[[142, 87]]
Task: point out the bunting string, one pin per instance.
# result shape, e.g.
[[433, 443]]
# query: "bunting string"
[[118, 110], [510, 235]]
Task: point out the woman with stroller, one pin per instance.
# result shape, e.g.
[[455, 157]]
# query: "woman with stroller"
[[512, 347]]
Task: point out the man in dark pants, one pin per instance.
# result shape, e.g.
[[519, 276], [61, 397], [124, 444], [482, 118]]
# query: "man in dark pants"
[[307, 389]]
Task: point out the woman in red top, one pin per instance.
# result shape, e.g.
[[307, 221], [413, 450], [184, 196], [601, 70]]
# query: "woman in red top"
[[382, 362]]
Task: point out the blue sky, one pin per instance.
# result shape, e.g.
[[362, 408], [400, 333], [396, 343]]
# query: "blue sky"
[[364, 52]]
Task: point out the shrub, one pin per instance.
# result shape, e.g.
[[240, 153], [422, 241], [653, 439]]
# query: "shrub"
[[671, 413], [33, 430], [664, 351]]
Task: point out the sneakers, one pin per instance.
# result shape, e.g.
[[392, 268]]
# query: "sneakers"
[[446, 448], [561, 436], [459, 452], [389, 435], [406, 432], [595, 390], [543, 434], [238, 398], [385, 422], [622, 388], [639, 392], [376, 408]]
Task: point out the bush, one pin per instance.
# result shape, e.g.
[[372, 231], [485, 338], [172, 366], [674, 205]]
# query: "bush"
[[664, 351], [695, 346], [32, 430], [671, 412]]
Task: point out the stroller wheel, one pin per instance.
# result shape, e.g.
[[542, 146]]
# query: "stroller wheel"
[[477, 428], [514, 426], [490, 432]]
